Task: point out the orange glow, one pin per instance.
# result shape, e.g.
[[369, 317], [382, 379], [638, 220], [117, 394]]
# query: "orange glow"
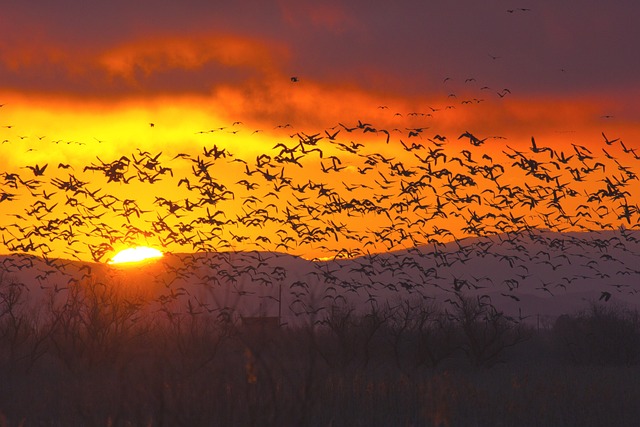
[[68, 136], [73, 137], [137, 254]]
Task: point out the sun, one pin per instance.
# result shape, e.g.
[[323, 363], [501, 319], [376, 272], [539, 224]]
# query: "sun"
[[137, 254]]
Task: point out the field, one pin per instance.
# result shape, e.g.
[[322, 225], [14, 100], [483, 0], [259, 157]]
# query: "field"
[[104, 357]]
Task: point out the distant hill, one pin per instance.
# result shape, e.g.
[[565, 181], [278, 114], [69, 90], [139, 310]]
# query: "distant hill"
[[537, 273]]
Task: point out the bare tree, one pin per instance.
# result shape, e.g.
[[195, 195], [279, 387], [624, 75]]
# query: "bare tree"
[[420, 334], [486, 332]]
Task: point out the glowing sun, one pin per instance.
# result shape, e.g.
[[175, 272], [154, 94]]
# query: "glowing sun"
[[137, 254]]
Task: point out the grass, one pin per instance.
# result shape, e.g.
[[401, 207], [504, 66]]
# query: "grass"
[[99, 359]]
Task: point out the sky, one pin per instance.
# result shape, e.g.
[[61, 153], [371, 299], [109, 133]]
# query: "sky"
[[402, 51], [83, 83]]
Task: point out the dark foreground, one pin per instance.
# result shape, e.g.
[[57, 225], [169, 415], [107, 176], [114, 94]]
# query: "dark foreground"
[[102, 359]]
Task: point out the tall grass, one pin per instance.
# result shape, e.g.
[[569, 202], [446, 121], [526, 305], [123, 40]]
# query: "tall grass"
[[98, 356]]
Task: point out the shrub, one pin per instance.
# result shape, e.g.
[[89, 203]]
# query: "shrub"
[[602, 334]]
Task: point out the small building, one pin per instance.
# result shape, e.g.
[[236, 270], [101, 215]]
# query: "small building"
[[260, 324]]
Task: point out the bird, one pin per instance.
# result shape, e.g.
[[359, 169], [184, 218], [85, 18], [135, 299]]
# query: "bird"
[[604, 296], [37, 170]]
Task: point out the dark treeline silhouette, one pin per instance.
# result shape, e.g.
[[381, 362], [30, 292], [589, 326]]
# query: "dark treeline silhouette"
[[103, 354]]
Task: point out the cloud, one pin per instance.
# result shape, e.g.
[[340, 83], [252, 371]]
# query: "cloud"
[[151, 65], [345, 54], [331, 17], [158, 54]]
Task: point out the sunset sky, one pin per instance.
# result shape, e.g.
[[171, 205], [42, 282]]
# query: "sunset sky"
[[83, 83]]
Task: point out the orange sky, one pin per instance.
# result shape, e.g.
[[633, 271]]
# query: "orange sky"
[[84, 88]]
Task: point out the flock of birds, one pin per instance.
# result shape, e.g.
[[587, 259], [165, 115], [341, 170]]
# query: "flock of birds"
[[348, 195]]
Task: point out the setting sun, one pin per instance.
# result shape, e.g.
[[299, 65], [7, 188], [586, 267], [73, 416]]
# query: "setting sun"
[[137, 254]]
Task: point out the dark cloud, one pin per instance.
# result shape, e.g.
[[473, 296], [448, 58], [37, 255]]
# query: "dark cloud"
[[407, 47]]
